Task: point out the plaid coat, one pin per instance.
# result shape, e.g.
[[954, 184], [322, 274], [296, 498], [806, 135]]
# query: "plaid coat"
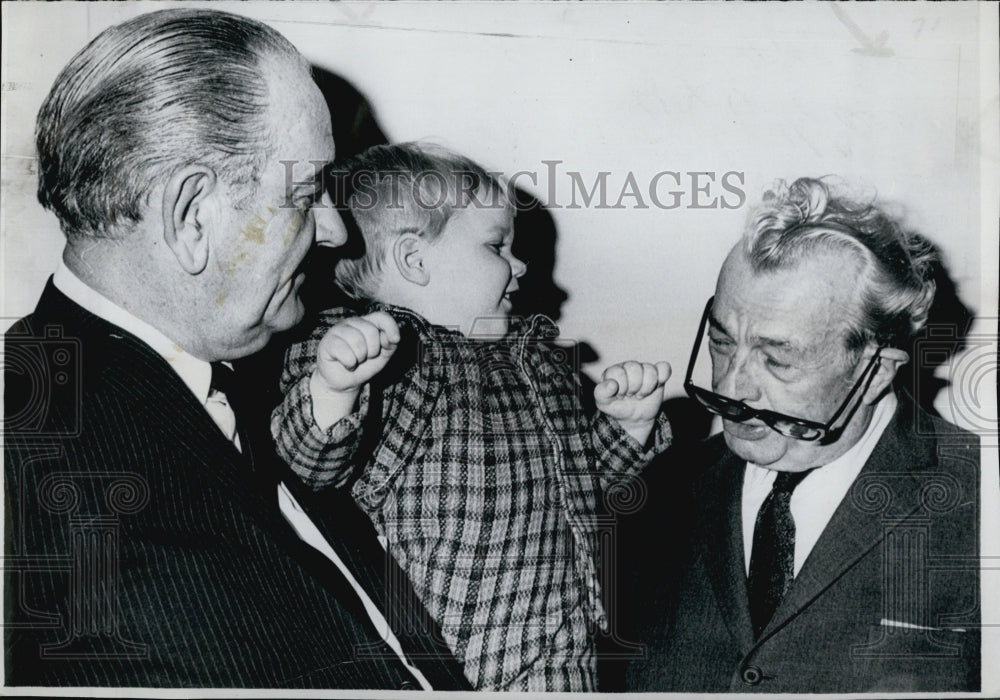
[[475, 461]]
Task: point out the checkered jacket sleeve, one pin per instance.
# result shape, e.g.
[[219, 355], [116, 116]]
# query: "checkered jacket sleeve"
[[619, 456], [321, 458]]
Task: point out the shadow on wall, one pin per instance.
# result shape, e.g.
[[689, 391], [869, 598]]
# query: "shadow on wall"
[[944, 336], [535, 239], [355, 128], [535, 243]]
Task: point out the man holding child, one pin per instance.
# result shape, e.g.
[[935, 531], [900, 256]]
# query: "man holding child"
[[152, 535]]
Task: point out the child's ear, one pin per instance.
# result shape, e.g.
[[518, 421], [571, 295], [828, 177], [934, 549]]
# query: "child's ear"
[[408, 254], [185, 215]]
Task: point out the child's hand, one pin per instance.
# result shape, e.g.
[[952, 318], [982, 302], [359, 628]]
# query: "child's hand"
[[631, 393], [350, 354], [355, 350]]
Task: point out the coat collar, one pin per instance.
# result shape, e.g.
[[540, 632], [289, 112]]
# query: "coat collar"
[[115, 360], [536, 326]]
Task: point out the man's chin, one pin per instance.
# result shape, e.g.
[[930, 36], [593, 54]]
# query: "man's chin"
[[287, 314]]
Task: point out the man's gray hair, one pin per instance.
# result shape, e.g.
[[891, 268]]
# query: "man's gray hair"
[[895, 288], [146, 97]]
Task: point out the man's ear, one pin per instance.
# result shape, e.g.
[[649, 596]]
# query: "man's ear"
[[889, 362], [408, 255], [185, 215]]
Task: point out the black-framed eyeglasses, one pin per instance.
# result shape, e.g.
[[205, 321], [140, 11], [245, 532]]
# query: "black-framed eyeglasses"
[[789, 426]]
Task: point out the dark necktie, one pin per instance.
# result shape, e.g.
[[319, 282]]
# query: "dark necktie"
[[772, 558]]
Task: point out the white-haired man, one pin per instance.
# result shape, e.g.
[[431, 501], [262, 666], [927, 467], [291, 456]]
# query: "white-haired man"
[[834, 539]]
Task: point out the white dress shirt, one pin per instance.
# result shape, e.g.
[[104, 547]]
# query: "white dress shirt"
[[816, 498], [197, 376]]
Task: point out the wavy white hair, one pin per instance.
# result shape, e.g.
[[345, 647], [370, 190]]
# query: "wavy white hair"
[[895, 285]]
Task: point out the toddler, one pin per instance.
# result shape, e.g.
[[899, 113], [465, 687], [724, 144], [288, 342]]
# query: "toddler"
[[459, 429]]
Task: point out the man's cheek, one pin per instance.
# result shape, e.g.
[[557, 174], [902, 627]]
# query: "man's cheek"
[[296, 222], [802, 403]]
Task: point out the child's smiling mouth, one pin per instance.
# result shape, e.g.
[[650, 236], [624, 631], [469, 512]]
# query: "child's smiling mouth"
[[509, 294]]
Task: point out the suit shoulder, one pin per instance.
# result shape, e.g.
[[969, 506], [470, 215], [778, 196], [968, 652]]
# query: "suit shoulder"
[[952, 433], [946, 439], [713, 457], [26, 327], [713, 465], [713, 449]]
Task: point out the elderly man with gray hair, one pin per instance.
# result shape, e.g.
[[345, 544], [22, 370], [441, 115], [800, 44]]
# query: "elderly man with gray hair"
[[152, 538], [833, 535]]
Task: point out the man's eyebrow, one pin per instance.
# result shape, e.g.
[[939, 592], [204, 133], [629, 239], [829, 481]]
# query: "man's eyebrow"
[[315, 186], [716, 324], [775, 344], [320, 175]]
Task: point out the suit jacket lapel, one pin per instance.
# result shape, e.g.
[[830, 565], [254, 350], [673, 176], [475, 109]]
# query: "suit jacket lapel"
[[111, 354], [881, 499], [724, 558]]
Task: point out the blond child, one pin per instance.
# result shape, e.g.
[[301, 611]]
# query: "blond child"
[[486, 475]]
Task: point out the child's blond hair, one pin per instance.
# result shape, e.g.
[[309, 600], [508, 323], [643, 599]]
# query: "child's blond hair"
[[408, 188]]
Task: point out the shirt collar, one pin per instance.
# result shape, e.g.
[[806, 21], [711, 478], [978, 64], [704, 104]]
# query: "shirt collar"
[[195, 373], [535, 326]]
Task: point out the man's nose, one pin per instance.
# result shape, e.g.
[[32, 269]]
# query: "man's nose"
[[330, 229], [734, 378]]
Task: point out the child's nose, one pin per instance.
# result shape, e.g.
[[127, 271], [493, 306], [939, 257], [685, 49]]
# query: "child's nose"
[[517, 266]]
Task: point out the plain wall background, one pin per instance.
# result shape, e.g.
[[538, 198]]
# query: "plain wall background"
[[887, 96]]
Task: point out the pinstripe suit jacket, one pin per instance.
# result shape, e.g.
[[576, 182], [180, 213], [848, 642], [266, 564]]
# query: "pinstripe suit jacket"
[[143, 549], [888, 599]]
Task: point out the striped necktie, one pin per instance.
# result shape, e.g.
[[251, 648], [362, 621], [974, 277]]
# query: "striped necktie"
[[224, 381]]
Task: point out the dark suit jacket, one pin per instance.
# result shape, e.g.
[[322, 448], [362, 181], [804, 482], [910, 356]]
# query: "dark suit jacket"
[[143, 549], [900, 555]]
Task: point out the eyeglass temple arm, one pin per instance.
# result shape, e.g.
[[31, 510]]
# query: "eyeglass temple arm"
[[857, 387], [697, 340]]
